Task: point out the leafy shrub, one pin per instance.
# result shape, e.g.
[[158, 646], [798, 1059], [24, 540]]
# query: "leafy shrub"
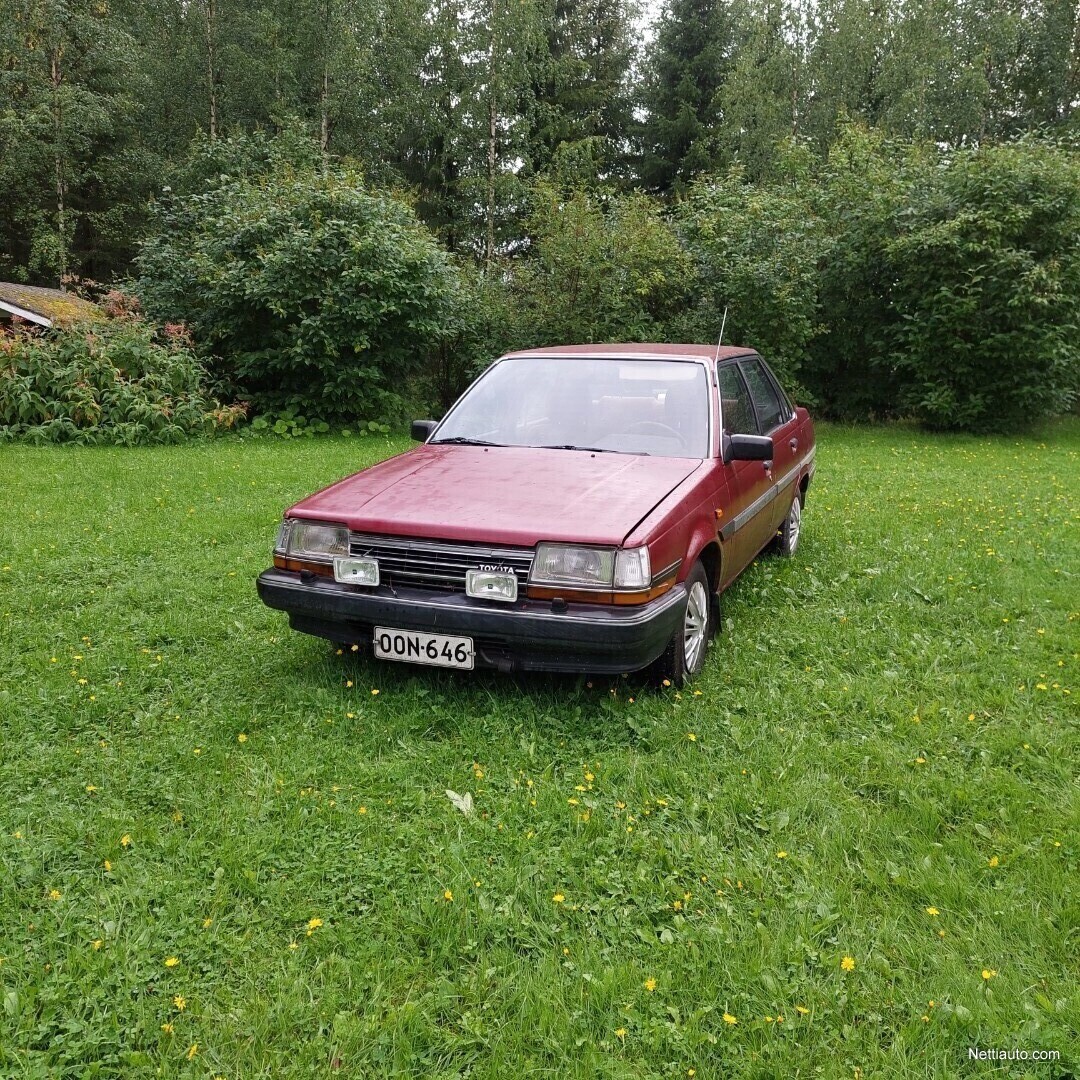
[[756, 250], [600, 267], [312, 294], [986, 333], [950, 282], [116, 381], [864, 187]]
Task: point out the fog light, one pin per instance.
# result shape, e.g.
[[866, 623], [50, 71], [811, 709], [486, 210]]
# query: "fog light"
[[491, 585], [356, 571]]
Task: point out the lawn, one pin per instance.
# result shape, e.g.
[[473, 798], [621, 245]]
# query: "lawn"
[[850, 850]]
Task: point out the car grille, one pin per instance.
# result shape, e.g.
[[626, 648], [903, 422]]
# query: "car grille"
[[433, 564]]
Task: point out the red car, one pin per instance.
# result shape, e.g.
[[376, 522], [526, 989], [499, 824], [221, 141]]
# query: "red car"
[[580, 508]]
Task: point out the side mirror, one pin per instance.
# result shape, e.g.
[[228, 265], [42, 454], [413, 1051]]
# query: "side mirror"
[[421, 429], [749, 448]]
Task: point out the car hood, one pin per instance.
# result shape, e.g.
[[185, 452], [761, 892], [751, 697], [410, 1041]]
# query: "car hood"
[[501, 495]]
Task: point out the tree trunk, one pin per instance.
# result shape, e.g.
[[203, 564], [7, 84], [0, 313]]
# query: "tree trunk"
[[56, 78], [324, 93], [324, 98], [489, 245], [210, 69]]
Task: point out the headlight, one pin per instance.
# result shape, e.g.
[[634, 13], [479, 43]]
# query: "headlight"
[[565, 564], [584, 567], [313, 539]]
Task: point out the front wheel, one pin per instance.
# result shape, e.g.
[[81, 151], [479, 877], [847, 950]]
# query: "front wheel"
[[685, 654]]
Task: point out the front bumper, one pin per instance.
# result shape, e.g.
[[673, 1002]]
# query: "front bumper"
[[524, 636]]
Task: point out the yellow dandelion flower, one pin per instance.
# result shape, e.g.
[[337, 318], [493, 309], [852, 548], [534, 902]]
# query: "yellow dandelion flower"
[[90, 789], [315, 923], [108, 866], [729, 1019], [802, 1010], [374, 693], [621, 1032], [362, 810], [54, 894], [992, 861], [125, 841], [988, 974], [348, 682], [650, 985], [691, 736], [293, 945], [932, 911], [207, 923], [848, 963], [193, 1049], [558, 898], [96, 944], [781, 854], [167, 1028], [241, 738], [179, 1002], [171, 961], [447, 895]]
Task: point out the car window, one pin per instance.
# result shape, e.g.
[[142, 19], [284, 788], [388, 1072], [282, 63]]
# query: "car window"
[[738, 415], [624, 405], [763, 395]]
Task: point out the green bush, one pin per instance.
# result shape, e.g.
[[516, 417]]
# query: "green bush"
[[117, 381], [312, 294], [950, 282], [864, 187], [986, 334], [756, 250], [600, 267]]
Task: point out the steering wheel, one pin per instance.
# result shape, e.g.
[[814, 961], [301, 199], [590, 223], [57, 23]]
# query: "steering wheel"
[[654, 427]]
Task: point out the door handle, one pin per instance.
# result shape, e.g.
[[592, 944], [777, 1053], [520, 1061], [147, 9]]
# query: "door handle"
[[794, 444]]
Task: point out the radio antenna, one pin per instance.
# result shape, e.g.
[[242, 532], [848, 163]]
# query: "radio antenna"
[[721, 338]]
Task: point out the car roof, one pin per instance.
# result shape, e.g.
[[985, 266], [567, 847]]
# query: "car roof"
[[652, 350]]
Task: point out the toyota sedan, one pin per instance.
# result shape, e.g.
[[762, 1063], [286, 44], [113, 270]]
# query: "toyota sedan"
[[580, 509]]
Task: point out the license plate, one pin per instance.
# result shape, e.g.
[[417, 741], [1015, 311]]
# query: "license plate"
[[439, 650]]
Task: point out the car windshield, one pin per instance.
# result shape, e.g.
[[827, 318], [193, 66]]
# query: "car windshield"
[[621, 406]]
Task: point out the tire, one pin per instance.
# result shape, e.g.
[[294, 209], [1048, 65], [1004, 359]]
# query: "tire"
[[791, 529], [685, 655]]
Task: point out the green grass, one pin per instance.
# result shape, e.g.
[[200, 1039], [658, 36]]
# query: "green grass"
[[885, 726]]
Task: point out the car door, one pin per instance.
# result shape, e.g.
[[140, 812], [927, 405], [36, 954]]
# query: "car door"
[[777, 419], [747, 521]]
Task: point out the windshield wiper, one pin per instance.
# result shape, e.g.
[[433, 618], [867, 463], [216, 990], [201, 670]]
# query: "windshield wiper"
[[590, 449], [463, 440]]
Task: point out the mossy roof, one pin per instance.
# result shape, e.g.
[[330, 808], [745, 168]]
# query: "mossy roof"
[[58, 307]]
